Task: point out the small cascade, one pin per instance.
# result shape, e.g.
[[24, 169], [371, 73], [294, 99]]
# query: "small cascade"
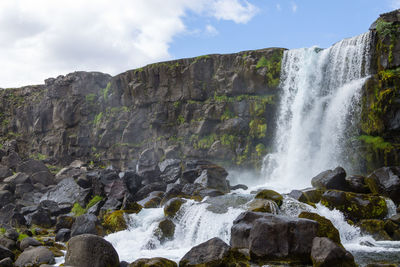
[[318, 111]]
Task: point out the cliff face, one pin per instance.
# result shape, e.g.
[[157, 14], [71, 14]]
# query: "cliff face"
[[380, 118], [219, 107]]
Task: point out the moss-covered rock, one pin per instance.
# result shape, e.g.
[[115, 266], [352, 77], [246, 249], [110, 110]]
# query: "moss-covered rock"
[[165, 230], [375, 228], [114, 221], [270, 194], [325, 226], [263, 205], [153, 262], [133, 207], [355, 206], [172, 206]]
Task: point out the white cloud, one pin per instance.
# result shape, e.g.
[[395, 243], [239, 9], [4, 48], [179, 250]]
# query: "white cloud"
[[45, 38], [211, 30], [294, 7]]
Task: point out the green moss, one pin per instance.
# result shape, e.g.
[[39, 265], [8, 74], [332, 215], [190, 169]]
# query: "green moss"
[[77, 210], [180, 120], [96, 199], [228, 114], [153, 262], [22, 236], [228, 140], [262, 62], [177, 104], [173, 206], [38, 156], [97, 118], [199, 58], [261, 150], [106, 91], [90, 97], [384, 28], [257, 128], [205, 142], [2, 231], [114, 222], [377, 142], [325, 226], [271, 195]]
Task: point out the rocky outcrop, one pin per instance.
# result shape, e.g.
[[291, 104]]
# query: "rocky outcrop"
[[219, 107]]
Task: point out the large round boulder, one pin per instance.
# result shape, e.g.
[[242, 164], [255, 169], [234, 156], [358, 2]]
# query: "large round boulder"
[[325, 226], [35, 257], [386, 182], [271, 195], [331, 179], [153, 262], [86, 224], [173, 206], [326, 253], [91, 251]]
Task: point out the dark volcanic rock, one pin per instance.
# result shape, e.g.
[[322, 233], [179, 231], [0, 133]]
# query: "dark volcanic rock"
[[147, 189], [153, 262], [171, 170], [357, 184], [31, 166], [132, 181], [27, 242], [5, 198], [43, 177], [86, 224], [273, 237], [4, 172], [63, 235], [214, 177], [331, 179], [67, 191], [90, 251], [35, 257], [5, 253], [326, 253], [385, 181]]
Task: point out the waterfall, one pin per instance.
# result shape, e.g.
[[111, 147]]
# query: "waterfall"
[[318, 110]]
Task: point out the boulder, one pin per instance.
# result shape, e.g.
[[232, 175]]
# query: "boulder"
[[114, 221], [263, 205], [4, 172], [27, 242], [214, 177], [356, 184], [325, 226], [12, 234], [239, 186], [375, 228], [326, 253], [111, 204], [6, 253], [5, 198], [63, 235], [386, 182], [116, 189], [153, 262], [173, 190], [11, 160], [43, 177], [171, 170], [147, 165], [271, 195], [40, 217], [31, 166], [153, 200], [355, 206], [273, 237], [165, 230], [173, 206], [147, 189], [35, 257], [17, 178], [64, 221], [8, 243], [330, 179], [86, 224], [67, 191], [213, 252], [100, 179], [91, 251], [7, 262], [133, 181]]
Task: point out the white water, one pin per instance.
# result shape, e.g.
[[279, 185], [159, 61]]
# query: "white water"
[[319, 106]]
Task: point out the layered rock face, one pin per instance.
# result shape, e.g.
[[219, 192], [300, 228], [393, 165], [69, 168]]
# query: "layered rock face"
[[218, 106]]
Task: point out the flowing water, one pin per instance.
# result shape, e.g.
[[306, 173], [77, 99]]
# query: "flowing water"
[[318, 112]]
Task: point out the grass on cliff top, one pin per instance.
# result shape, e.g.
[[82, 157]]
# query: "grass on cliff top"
[[377, 142], [385, 28]]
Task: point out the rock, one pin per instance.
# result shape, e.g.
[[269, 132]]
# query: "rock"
[[18, 178], [11, 161], [63, 235], [116, 189], [214, 176], [54, 208], [271, 195], [4, 172], [386, 182], [133, 181], [272, 237], [153, 200], [213, 252], [192, 190], [27, 242], [263, 205], [67, 191], [375, 228], [173, 190], [35, 257], [41, 217], [86, 224], [148, 161], [7, 262], [8, 243], [64, 221], [115, 221], [90, 251], [325, 226], [43, 177], [326, 253], [147, 189], [330, 179], [32, 166], [130, 205], [153, 262], [173, 206], [111, 204], [209, 192], [22, 189], [355, 206], [100, 179], [166, 230], [356, 184], [6, 253], [171, 170], [239, 186], [5, 198], [12, 234]]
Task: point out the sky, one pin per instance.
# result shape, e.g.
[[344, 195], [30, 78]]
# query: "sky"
[[46, 38]]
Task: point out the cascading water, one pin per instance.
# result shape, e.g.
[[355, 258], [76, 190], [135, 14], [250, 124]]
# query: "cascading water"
[[318, 109]]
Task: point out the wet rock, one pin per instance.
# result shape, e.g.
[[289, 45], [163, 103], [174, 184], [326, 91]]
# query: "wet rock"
[[153, 262], [32, 166], [239, 186], [64, 221], [12, 234], [173, 206], [192, 189], [115, 221], [326, 253], [132, 181], [356, 184], [355, 206], [63, 235], [67, 191], [27, 242], [116, 189], [214, 177], [129, 204], [147, 189], [272, 237], [331, 179], [173, 190], [208, 192], [35, 257], [171, 170], [263, 205], [386, 182], [6, 253], [111, 204], [271, 195], [152, 201], [90, 251], [166, 230], [325, 226], [86, 224], [375, 228]]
